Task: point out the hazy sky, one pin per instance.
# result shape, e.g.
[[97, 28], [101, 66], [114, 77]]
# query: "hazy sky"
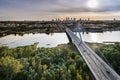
[[48, 9]]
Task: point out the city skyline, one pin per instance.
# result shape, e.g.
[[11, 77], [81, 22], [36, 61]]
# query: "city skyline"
[[51, 9]]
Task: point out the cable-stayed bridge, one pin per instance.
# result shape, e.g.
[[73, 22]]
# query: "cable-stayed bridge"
[[99, 68]]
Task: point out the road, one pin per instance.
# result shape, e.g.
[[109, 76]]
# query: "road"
[[100, 69]]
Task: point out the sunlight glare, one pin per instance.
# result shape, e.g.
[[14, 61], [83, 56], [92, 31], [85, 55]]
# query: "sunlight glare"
[[94, 37], [92, 4]]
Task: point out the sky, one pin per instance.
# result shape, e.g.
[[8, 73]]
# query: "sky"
[[52, 9]]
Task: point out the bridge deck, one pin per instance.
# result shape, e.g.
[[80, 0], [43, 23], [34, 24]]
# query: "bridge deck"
[[98, 67]]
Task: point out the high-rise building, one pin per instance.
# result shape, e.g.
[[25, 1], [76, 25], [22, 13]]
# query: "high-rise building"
[[114, 19]]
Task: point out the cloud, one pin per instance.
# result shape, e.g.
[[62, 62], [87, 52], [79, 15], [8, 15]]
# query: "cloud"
[[104, 6], [83, 9], [23, 8], [60, 6]]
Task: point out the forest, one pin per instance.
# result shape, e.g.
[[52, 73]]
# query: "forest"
[[32, 63], [58, 63], [112, 54]]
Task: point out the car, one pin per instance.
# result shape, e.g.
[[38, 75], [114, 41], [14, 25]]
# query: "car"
[[84, 50], [108, 71]]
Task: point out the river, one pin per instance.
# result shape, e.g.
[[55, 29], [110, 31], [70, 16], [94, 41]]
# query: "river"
[[55, 39]]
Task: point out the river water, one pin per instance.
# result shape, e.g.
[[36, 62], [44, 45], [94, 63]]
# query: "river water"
[[55, 39]]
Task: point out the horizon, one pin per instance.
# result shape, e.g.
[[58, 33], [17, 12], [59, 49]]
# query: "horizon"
[[37, 10], [111, 19]]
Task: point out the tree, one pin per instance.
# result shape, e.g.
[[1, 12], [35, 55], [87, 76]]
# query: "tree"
[[9, 66], [78, 76]]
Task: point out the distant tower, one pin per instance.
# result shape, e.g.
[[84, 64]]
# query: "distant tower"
[[53, 20], [74, 19], [80, 19], [88, 19], [68, 18], [114, 19]]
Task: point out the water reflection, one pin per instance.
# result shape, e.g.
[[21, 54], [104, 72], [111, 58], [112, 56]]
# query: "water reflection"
[[53, 39], [94, 37], [27, 39], [102, 37], [47, 30]]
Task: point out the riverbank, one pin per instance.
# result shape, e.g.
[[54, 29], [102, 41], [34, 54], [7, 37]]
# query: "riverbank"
[[23, 27]]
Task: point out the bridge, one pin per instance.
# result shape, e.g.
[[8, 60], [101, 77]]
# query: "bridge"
[[99, 68]]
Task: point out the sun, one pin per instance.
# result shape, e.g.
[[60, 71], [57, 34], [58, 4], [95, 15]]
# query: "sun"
[[92, 4]]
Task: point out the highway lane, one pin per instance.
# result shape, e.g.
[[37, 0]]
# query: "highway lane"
[[98, 67], [86, 57], [105, 67]]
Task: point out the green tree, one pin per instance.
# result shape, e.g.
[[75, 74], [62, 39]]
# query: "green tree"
[[9, 67]]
